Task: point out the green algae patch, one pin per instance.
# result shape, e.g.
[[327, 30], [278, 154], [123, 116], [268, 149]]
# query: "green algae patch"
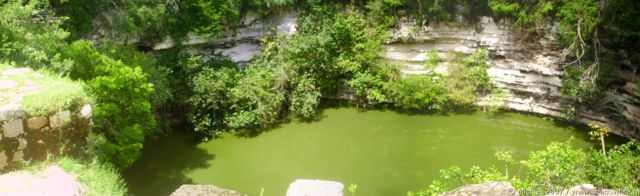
[[40, 93]]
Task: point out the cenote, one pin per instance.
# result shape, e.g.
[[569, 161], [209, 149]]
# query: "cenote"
[[383, 152]]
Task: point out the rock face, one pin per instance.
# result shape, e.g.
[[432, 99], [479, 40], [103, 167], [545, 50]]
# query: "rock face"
[[193, 190], [52, 181], [302, 187], [243, 44], [484, 189], [529, 66]]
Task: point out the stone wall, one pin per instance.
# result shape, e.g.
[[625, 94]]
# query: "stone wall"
[[25, 137], [530, 67]]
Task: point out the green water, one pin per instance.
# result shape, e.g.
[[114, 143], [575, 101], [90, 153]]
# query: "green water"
[[383, 152]]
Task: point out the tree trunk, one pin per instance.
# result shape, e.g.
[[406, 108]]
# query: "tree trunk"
[[603, 148]]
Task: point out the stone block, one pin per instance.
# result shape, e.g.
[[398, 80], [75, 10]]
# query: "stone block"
[[16, 71], [60, 119], [7, 84], [37, 123], [484, 189], [196, 189], [3, 160], [18, 156], [22, 143], [12, 111], [303, 187], [13, 128], [86, 112]]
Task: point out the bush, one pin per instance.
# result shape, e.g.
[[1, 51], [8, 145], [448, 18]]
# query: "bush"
[[418, 92], [467, 78], [210, 101], [557, 167]]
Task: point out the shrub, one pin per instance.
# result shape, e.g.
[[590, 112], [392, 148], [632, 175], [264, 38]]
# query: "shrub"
[[210, 102], [419, 92], [467, 78], [557, 167]]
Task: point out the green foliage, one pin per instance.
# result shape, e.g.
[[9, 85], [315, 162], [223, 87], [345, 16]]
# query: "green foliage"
[[352, 189], [467, 78], [334, 48], [557, 167], [210, 100], [495, 101], [477, 64], [377, 12], [507, 158], [98, 178], [619, 168], [256, 100], [38, 98], [157, 72], [211, 17], [305, 97], [418, 92], [618, 26], [574, 92], [67, 94], [456, 175], [29, 38], [122, 112], [527, 13], [122, 20], [432, 59], [264, 7], [599, 133]]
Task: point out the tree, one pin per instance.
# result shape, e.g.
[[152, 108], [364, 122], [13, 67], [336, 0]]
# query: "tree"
[[507, 158], [598, 133], [122, 111]]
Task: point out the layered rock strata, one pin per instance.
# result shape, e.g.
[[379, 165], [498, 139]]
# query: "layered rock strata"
[[529, 66]]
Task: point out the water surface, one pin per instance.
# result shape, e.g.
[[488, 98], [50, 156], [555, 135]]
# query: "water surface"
[[383, 152]]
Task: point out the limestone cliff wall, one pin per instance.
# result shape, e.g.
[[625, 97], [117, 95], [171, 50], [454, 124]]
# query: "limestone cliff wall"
[[25, 137], [530, 67]]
